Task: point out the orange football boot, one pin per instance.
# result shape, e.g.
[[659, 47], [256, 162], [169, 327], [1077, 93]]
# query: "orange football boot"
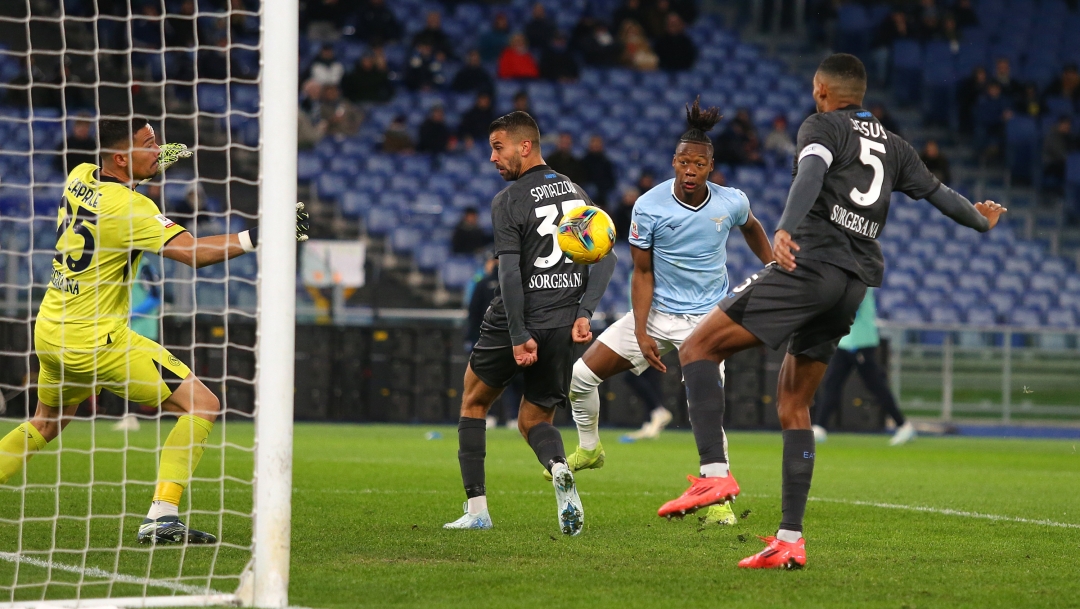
[[779, 555], [703, 492]]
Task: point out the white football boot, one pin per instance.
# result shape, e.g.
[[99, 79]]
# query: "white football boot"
[[471, 521], [571, 514]]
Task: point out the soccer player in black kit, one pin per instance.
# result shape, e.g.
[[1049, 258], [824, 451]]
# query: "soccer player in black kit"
[[847, 168], [541, 308]]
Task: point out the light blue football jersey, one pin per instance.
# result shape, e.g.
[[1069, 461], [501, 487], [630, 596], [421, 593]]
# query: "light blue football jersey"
[[689, 245]]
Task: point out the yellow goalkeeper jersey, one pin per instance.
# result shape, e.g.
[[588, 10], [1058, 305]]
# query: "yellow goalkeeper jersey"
[[102, 229]]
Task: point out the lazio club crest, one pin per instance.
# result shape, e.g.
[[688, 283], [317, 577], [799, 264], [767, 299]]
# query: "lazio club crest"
[[719, 222]]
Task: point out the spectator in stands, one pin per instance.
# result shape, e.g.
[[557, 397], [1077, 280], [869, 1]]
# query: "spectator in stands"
[[717, 177], [468, 237], [564, 161], [779, 140], [377, 24], [424, 71], [622, 215], [435, 136], [637, 52], [213, 61], [81, 147], [895, 27], [675, 49], [473, 77], [180, 26], [935, 161], [309, 124], [325, 18], [396, 138], [1030, 104], [516, 62], [738, 143], [600, 48], [146, 32], [493, 41], [338, 116], [992, 111], [475, 122], [539, 30], [599, 171], [1057, 145], [241, 25], [1067, 85], [884, 117], [1011, 89], [521, 102], [967, 96], [369, 80], [965, 14], [646, 181], [325, 69], [630, 11], [928, 24], [654, 17], [950, 33], [557, 62], [433, 36]]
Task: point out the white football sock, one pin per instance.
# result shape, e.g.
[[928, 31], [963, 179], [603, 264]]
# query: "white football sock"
[[585, 404], [788, 536], [714, 470], [477, 504], [162, 508]]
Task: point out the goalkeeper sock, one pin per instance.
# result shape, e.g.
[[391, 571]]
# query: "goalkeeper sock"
[[17, 447], [162, 508], [180, 456]]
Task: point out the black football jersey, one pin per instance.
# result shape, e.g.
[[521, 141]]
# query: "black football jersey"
[[866, 164], [525, 217]]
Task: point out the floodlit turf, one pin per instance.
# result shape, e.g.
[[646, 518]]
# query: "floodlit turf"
[[370, 501]]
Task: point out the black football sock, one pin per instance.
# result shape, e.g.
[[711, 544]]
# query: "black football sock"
[[472, 448], [705, 405], [798, 469], [546, 442]]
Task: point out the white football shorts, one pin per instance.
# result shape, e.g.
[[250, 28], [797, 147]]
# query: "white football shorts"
[[668, 330]]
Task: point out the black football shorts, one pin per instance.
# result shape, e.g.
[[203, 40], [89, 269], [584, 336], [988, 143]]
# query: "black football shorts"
[[814, 305], [547, 382]]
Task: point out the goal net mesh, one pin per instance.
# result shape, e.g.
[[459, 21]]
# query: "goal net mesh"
[[68, 520]]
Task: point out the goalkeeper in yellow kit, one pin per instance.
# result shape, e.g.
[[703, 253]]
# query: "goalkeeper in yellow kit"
[[82, 337]]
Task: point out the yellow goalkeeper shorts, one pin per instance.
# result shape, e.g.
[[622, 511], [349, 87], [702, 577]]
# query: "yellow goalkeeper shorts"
[[130, 365]]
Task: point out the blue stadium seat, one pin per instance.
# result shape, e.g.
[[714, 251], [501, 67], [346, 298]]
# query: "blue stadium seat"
[[973, 281], [907, 68], [355, 204], [948, 264], [929, 299], [1037, 301], [937, 281], [1061, 318], [1054, 266], [933, 232], [945, 315], [1019, 265], [1025, 318], [405, 239], [331, 186], [212, 98], [965, 299], [381, 165], [1012, 284], [429, 256], [1022, 150], [381, 220], [458, 271], [910, 315], [981, 317], [1002, 302], [1045, 283]]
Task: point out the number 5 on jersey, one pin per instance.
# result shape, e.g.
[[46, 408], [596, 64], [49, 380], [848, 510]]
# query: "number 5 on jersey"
[[549, 225], [866, 155]]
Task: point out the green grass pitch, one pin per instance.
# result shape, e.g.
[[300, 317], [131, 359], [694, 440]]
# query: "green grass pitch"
[[1000, 528]]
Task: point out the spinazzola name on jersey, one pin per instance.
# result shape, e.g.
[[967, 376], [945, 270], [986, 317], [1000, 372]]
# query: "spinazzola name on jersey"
[[555, 189], [555, 281], [854, 222]]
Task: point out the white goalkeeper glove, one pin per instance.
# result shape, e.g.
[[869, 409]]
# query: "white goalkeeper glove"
[[249, 239]]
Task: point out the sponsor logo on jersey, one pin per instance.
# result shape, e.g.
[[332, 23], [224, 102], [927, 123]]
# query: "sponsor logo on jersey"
[[556, 189], [550, 176], [854, 222], [864, 114], [58, 281], [555, 281], [674, 226], [167, 223]]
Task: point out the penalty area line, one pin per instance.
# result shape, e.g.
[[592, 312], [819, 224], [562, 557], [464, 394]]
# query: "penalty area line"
[[948, 512], [96, 573]]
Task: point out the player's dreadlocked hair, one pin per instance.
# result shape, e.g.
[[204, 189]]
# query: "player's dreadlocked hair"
[[700, 123]]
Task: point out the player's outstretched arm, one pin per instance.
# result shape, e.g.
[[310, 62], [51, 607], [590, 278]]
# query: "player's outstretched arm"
[[756, 238], [595, 285], [980, 216], [513, 295], [205, 251], [642, 283]]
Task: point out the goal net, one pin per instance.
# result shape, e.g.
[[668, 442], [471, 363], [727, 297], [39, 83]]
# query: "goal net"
[[198, 72]]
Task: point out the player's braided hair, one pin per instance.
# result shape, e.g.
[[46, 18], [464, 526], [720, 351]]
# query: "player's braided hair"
[[700, 123]]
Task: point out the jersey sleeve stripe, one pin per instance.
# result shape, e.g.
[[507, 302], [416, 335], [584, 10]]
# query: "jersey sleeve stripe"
[[817, 150]]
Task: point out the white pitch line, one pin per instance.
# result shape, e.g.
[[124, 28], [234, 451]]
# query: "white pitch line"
[[948, 512], [97, 573]]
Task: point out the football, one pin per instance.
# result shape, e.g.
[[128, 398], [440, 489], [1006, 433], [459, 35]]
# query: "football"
[[586, 234]]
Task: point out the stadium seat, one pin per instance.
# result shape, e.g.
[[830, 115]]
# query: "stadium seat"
[[973, 281], [1002, 302], [1025, 318], [1037, 301], [355, 204], [1012, 284], [1022, 150], [458, 271], [331, 186], [937, 281], [405, 239], [981, 317], [381, 220], [1061, 318]]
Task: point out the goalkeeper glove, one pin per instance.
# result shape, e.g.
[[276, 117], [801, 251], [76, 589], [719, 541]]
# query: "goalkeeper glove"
[[249, 239], [170, 153]]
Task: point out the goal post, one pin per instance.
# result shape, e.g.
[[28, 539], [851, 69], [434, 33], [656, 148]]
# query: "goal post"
[[277, 304]]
